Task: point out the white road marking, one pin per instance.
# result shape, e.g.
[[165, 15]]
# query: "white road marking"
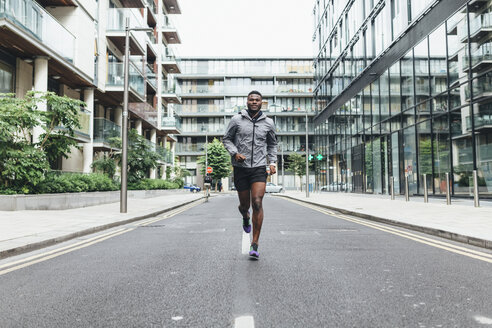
[[483, 320], [246, 321], [177, 318], [245, 243]]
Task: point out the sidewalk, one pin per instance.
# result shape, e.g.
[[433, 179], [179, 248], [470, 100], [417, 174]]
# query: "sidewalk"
[[460, 221], [22, 231]]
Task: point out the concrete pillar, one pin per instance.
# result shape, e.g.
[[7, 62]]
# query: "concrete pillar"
[[138, 126], [41, 85], [153, 138], [88, 147], [117, 116]]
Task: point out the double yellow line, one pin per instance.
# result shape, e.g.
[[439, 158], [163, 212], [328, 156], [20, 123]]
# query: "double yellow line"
[[482, 256], [25, 262]]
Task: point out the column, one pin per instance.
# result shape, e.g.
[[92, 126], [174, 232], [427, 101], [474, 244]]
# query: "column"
[[117, 116], [153, 138], [88, 147], [138, 126], [41, 85]]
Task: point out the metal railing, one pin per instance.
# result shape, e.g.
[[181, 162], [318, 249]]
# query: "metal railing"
[[116, 73]]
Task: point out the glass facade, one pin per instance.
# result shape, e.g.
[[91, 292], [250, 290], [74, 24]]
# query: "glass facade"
[[429, 113]]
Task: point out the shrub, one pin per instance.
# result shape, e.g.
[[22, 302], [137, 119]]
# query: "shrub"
[[152, 184], [76, 182]]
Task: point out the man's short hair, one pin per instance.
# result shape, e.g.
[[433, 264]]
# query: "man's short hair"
[[254, 92]]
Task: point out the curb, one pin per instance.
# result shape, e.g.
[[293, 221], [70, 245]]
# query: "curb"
[[50, 242], [479, 242]]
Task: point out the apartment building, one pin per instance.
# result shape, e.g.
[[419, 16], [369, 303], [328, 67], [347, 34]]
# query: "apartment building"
[[76, 48], [214, 89], [403, 91]]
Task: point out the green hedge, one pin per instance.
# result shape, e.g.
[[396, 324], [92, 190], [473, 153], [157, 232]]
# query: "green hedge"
[[56, 182], [76, 182], [152, 184]]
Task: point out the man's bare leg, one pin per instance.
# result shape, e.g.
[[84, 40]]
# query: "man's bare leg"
[[257, 193], [244, 203]]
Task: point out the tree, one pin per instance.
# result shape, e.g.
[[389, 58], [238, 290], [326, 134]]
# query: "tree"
[[297, 164], [141, 156], [218, 159], [23, 164]]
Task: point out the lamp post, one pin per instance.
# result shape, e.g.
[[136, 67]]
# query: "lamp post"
[[124, 114], [307, 158]]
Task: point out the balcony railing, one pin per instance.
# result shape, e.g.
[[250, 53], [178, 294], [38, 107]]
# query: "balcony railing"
[[483, 53], [190, 148], [204, 129], [211, 109], [170, 122], [166, 154], [483, 21], [481, 86], [116, 78], [152, 6], [105, 129], [117, 20], [170, 89], [85, 125], [250, 67], [151, 76], [35, 19]]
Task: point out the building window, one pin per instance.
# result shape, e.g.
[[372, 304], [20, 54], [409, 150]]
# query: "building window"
[[6, 78]]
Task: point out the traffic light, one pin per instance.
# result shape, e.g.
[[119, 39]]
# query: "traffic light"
[[310, 157], [319, 157]]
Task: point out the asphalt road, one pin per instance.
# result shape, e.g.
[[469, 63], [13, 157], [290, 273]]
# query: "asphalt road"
[[189, 270]]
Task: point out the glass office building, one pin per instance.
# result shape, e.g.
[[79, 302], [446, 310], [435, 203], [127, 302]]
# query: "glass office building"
[[404, 89], [214, 89]]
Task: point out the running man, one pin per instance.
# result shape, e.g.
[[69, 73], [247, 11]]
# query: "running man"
[[250, 138]]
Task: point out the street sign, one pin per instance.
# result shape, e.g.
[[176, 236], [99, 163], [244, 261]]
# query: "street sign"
[[209, 170]]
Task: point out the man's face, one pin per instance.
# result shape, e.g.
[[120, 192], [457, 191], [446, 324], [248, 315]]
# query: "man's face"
[[254, 102]]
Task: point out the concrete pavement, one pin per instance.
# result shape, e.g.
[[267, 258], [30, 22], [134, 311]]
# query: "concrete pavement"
[[460, 221], [22, 231]]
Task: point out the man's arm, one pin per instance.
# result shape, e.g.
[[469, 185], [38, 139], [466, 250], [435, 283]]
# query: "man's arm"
[[229, 136], [272, 148]]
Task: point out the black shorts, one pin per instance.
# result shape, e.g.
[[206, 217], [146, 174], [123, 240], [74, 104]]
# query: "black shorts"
[[245, 176]]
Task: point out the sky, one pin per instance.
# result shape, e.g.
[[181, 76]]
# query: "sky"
[[245, 28]]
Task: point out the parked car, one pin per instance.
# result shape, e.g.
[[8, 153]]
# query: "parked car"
[[271, 187], [192, 187]]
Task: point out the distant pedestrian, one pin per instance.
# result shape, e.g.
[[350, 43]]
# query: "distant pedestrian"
[[251, 140], [219, 185]]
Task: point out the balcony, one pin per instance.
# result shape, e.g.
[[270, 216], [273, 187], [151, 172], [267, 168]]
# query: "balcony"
[[170, 93], [82, 134], [36, 27], [132, 3], [169, 61], [115, 30], [151, 47], [115, 82], [204, 129], [190, 149], [151, 79], [254, 68], [480, 26], [482, 87], [169, 31], [58, 3], [104, 130], [481, 58], [170, 125], [172, 7], [167, 156], [151, 13], [145, 112]]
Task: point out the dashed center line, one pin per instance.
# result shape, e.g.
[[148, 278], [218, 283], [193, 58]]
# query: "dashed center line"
[[245, 243], [246, 321]]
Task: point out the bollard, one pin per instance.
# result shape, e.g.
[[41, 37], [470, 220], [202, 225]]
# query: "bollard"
[[392, 188], [448, 190], [426, 192], [476, 196], [407, 196]]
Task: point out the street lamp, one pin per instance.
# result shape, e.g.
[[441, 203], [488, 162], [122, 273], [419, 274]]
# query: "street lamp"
[[307, 157], [124, 114]]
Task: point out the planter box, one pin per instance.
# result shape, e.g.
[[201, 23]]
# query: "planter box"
[[74, 200]]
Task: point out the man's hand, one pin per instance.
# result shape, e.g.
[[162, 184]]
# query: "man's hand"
[[273, 169], [240, 158]]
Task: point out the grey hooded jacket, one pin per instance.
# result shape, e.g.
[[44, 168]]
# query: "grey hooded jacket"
[[255, 141]]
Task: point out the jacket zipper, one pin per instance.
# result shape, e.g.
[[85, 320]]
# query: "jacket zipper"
[[253, 143]]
